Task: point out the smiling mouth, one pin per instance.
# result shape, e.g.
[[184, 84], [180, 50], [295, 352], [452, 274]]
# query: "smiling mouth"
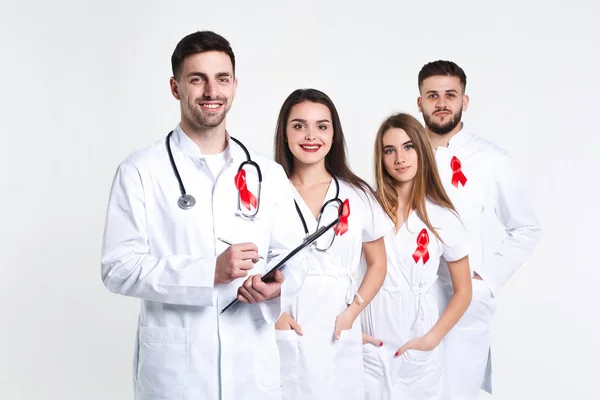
[[311, 148], [211, 106]]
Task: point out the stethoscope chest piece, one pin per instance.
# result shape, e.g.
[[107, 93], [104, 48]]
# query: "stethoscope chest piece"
[[186, 202]]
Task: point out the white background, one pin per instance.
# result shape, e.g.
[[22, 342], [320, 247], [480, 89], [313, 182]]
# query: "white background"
[[83, 84]]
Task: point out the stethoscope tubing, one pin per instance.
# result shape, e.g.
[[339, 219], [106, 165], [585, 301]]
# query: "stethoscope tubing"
[[187, 201]]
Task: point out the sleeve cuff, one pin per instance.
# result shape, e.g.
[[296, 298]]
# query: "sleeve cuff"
[[294, 273], [271, 309], [457, 253]]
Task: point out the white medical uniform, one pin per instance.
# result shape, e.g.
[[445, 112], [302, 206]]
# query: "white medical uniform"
[[166, 256], [316, 365], [492, 192], [405, 308]]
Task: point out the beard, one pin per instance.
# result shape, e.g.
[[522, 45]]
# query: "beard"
[[443, 128], [207, 119]]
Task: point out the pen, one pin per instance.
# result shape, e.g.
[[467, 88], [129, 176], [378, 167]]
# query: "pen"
[[310, 239], [227, 242]]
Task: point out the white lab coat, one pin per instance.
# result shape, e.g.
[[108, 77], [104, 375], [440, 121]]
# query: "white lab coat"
[[315, 365], [406, 308], [492, 192], [153, 250]]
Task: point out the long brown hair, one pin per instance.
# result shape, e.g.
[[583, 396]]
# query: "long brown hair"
[[427, 183], [336, 161]]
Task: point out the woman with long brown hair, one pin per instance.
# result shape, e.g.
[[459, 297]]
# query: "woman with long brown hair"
[[404, 315], [319, 341]]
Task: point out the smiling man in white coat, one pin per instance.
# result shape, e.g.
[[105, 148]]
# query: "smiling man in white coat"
[[483, 186], [193, 222]]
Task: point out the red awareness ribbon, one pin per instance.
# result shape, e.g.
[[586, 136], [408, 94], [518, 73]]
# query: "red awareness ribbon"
[[457, 174], [246, 197], [342, 227], [421, 251]]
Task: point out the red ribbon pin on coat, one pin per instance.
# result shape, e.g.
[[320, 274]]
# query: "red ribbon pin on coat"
[[457, 174], [421, 251], [246, 197], [342, 227]]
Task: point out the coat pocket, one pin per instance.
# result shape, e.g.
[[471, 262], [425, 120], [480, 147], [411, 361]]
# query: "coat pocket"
[[483, 304], [266, 363], [288, 343], [481, 288], [420, 370], [162, 363], [348, 359]]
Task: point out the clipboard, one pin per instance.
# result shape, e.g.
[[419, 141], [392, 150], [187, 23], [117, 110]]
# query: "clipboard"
[[308, 240]]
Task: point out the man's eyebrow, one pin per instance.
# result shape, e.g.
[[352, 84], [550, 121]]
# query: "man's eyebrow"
[[199, 74], [205, 76], [447, 91]]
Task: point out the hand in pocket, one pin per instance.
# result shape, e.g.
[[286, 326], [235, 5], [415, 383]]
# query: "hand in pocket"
[[343, 322], [287, 323], [371, 340], [423, 343]]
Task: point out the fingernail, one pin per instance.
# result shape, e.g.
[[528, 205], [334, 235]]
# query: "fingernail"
[[380, 344], [396, 355]]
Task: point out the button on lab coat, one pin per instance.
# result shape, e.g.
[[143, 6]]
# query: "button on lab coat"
[[492, 193], [405, 308], [154, 250], [315, 365]]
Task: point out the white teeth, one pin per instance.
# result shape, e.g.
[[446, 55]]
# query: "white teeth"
[[310, 147], [210, 105]]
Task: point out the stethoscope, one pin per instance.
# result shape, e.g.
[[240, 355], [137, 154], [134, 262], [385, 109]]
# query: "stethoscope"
[[335, 200], [187, 201]]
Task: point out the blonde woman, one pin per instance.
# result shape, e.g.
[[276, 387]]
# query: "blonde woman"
[[404, 315]]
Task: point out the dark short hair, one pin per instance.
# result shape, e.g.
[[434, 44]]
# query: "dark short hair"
[[199, 42], [444, 68]]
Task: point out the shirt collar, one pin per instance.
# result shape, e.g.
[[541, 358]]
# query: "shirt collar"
[[459, 139], [187, 146]]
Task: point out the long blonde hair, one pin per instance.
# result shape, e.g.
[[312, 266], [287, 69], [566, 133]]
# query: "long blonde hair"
[[427, 182]]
